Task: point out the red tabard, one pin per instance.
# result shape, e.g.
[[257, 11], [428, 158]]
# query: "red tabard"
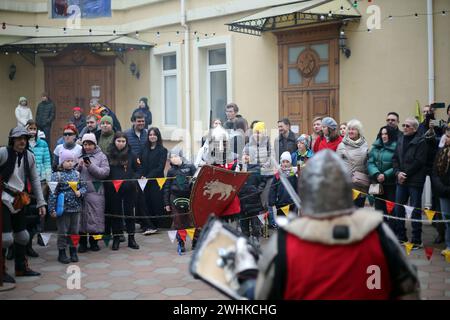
[[339, 272]]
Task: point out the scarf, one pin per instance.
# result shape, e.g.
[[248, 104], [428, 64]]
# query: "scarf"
[[354, 143], [119, 157]]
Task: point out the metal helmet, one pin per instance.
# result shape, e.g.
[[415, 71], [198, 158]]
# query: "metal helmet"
[[326, 187], [218, 151]]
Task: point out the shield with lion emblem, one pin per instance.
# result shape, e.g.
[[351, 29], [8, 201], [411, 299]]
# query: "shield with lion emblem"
[[214, 191]]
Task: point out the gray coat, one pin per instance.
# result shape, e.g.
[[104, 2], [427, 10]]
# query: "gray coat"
[[92, 219]]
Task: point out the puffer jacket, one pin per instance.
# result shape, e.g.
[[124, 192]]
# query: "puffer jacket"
[[71, 202], [137, 144], [279, 195], [250, 193], [43, 160], [354, 156], [180, 187], [380, 161], [45, 114]]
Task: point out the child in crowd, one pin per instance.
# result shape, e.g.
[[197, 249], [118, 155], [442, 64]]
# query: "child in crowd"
[[303, 152], [68, 220], [278, 195], [177, 192]]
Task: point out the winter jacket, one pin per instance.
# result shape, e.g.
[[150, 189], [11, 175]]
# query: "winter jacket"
[[180, 187], [107, 111], [77, 149], [259, 151], [412, 161], [45, 114], [80, 123], [23, 114], [283, 144], [441, 184], [148, 115], [380, 161], [322, 143], [71, 202], [43, 160], [302, 157], [153, 162], [278, 195], [354, 155], [136, 143], [104, 141], [86, 130], [250, 193]]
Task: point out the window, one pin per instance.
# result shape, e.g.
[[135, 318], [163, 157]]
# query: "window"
[[169, 89], [217, 82]]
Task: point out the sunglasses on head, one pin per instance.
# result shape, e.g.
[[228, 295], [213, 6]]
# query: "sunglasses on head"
[[68, 134]]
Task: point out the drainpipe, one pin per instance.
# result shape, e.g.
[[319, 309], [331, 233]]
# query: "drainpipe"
[[187, 86], [430, 51]]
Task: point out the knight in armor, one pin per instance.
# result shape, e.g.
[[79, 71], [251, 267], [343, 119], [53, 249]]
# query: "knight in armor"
[[333, 251]]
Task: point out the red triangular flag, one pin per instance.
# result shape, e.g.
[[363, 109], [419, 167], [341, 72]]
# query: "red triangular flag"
[[428, 252], [75, 239], [182, 234], [117, 184], [390, 206]]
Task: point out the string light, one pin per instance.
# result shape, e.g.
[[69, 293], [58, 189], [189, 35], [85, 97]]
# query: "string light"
[[90, 31], [114, 32], [444, 13], [137, 34], [342, 9], [342, 32], [37, 28], [6, 53], [330, 14], [3, 25], [157, 34], [65, 30], [390, 17], [416, 15]]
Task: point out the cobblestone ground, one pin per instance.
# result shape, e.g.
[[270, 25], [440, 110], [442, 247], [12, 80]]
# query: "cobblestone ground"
[[156, 271]]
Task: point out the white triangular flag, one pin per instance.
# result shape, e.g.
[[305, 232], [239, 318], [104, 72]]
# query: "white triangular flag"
[[52, 185], [46, 238], [142, 183], [409, 211], [172, 235], [261, 218]]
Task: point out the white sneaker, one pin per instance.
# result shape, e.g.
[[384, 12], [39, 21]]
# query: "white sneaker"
[[150, 231]]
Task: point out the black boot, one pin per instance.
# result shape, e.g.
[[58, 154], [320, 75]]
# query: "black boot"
[[6, 277], [30, 251], [122, 238], [132, 242], [93, 244], [21, 263], [62, 256], [440, 228], [73, 254], [82, 248], [116, 243], [10, 255]]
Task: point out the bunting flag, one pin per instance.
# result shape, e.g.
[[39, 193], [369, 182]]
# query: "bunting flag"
[[190, 232], [161, 182], [261, 218], [285, 209], [52, 186], [408, 247], [45, 238], [409, 210], [142, 183], [428, 252], [447, 257], [73, 185], [182, 234], [390, 206], [97, 236], [117, 184], [172, 235], [106, 239], [75, 239], [356, 194], [97, 185], [430, 214]]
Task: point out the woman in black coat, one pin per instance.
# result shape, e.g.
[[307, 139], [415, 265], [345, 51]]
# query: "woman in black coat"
[[153, 161], [123, 166]]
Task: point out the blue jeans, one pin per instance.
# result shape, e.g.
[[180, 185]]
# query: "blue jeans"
[[414, 194], [445, 207]]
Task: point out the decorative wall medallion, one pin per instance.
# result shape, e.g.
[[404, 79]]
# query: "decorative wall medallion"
[[78, 56], [308, 63]]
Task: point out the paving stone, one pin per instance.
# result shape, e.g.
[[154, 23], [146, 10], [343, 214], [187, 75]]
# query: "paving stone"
[[146, 282], [98, 265], [47, 288], [118, 256], [97, 285], [166, 270], [77, 296], [140, 263], [153, 240], [447, 293], [121, 273], [65, 276], [420, 262], [185, 259], [124, 295], [179, 291], [159, 254], [27, 279], [52, 253], [59, 267]]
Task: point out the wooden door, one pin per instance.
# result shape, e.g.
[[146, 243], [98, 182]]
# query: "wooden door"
[[308, 75], [69, 80]]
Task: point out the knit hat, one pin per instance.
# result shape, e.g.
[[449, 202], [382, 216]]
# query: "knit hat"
[[304, 139], [66, 155], [286, 156], [259, 126], [106, 119], [89, 137], [76, 109], [176, 152], [22, 99], [329, 122]]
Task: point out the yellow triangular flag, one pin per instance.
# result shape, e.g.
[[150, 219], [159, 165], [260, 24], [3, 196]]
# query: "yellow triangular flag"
[[408, 247], [97, 237], [356, 194], [285, 210], [190, 232], [430, 214], [447, 257], [73, 185], [161, 182]]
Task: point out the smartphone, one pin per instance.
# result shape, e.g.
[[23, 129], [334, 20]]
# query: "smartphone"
[[86, 160], [438, 105], [434, 122]]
